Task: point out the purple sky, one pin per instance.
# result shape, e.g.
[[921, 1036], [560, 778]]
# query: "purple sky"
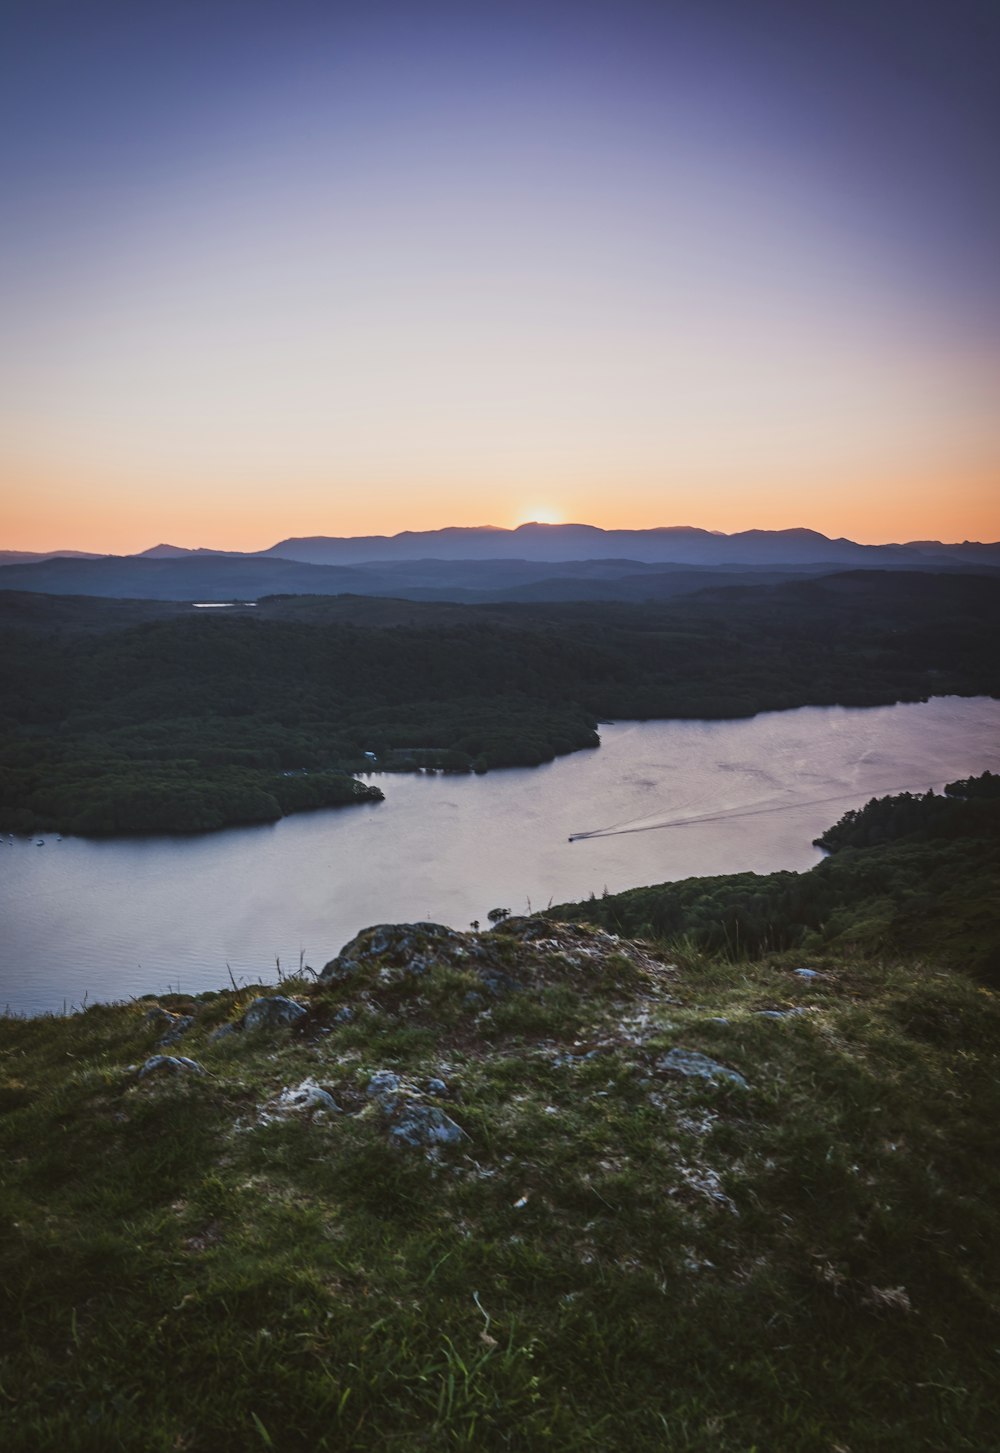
[[301, 267]]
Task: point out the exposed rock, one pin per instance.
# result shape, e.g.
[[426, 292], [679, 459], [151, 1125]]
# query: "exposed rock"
[[307, 1096], [396, 950], [520, 953], [425, 1125], [224, 1031], [179, 1026], [174, 1025], [574, 950], [386, 1086], [690, 1062], [411, 1121], [273, 1012], [177, 1064]]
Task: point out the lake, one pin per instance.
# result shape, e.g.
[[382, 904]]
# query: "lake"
[[92, 919]]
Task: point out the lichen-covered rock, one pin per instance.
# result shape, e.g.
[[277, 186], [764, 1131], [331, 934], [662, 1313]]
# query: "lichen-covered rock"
[[173, 1025], [307, 1096], [175, 1064], [412, 1121], [573, 951], [424, 1126], [308, 1100], [178, 1027], [690, 1062], [158, 1015], [417, 968], [273, 1012], [386, 1086], [395, 950]]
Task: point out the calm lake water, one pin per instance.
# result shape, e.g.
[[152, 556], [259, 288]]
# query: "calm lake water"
[[86, 918]]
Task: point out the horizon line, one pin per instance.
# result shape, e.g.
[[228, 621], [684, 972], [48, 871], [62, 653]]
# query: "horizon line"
[[546, 525]]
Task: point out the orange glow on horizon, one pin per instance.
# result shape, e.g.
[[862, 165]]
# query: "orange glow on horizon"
[[43, 512], [387, 273]]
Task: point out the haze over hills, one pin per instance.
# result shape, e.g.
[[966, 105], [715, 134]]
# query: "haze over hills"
[[534, 562], [29, 557]]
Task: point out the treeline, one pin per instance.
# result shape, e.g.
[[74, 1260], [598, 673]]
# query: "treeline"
[[968, 808], [128, 716], [106, 795], [930, 882]]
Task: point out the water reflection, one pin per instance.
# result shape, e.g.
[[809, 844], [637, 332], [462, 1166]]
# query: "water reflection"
[[660, 800]]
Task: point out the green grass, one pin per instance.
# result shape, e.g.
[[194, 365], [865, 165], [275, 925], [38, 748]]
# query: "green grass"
[[616, 1258]]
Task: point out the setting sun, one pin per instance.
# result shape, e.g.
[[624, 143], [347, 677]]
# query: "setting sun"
[[539, 515]]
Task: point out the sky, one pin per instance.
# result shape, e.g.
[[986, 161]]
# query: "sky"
[[291, 268]]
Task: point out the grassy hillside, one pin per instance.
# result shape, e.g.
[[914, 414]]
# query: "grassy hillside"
[[134, 716], [542, 1187]]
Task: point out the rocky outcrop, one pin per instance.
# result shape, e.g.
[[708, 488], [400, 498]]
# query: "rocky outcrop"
[[389, 953], [273, 1012], [169, 1064], [690, 1062]]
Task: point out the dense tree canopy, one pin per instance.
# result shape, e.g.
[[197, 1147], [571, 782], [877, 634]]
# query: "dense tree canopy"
[[123, 716]]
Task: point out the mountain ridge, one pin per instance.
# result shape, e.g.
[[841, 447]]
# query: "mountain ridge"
[[535, 543]]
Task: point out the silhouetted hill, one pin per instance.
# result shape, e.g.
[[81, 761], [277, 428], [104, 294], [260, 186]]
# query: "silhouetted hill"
[[532, 563], [30, 557], [187, 577], [677, 544], [207, 576]]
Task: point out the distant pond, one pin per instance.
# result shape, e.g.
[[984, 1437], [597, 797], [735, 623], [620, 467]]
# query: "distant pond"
[[91, 919]]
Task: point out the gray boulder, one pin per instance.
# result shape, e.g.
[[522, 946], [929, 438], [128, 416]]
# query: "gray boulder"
[[425, 1126], [307, 1096], [169, 1063], [273, 1012], [178, 1027], [411, 1122], [690, 1062], [386, 1087], [394, 950]]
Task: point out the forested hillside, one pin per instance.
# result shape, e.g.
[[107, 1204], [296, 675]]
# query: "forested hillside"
[[133, 716], [907, 874]]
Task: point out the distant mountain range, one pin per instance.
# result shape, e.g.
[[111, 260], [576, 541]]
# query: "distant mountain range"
[[674, 544], [32, 557], [532, 563]]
